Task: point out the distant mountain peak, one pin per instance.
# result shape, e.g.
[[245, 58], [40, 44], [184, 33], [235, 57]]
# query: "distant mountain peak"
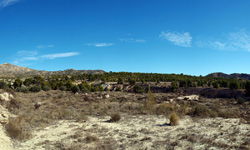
[[9, 70]]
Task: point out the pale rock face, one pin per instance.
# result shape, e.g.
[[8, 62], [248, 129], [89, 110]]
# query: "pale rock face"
[[106, 96], [6, 96], [190, 97], [4, 118]]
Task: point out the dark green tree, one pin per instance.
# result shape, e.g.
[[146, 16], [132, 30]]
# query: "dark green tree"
[[216, 85], [247, 88], [234, 85], [28, 82], [120, 80], [132, 81], [3, 85], [75, 89], [174, 86], [18, 83]]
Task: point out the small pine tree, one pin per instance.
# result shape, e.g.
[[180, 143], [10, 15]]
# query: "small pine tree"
[[75, 89], [216, 85], [120, 80], [18, 83], [174, 86]]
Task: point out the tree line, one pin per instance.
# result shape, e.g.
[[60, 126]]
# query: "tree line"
[[65, 82]]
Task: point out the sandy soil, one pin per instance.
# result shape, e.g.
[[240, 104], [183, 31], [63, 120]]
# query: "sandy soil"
[[5, 141], [141, 132]]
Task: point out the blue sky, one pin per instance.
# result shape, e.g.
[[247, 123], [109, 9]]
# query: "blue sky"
[[194, 37]]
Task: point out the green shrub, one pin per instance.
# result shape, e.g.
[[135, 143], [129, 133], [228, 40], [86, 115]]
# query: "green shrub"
[[240, 100], [118, 88], [63, 88], [46, 88], [35, 89], [23, 90], [138, 89], [3, 85], [75, 89], [174, 86]]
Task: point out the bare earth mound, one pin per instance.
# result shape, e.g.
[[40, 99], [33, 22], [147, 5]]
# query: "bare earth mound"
[[142, 132]]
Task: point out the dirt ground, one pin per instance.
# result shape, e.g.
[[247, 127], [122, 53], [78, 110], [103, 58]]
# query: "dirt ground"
[[62, 120], [141, 132]]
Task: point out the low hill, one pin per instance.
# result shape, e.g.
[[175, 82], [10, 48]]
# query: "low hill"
[[234, 75], [9, 70]]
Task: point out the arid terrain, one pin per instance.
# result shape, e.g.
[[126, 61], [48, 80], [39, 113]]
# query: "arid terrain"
[[56, 120]]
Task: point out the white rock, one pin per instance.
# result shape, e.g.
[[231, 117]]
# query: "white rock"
[[106, 96], [4, 118], [6, 96], [190, 97]]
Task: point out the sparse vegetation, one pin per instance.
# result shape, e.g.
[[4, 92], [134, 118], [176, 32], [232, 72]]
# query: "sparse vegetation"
[[115, 117], [174, 119], [90, 139], [240, 100], [149, 103], [15, 128]]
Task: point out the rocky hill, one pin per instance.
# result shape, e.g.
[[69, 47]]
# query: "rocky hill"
[[9, 70], [234, 75]]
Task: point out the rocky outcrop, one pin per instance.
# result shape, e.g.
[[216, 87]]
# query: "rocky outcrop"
[[4, 118], [6, 96], [190, 97]]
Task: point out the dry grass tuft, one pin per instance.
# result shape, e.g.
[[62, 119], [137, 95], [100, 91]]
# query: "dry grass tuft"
[[165, 109], [149, 103], [90, 139], [174, 119], [115, 118], [15, 129]]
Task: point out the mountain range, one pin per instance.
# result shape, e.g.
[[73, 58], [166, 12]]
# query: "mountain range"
[[9, 70], [243, 76]]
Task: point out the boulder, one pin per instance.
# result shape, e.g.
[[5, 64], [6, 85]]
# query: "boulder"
[[4, 118], [6, 96], [190, 97], [106, 96]]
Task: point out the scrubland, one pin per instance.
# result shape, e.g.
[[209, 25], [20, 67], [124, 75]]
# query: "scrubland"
[[120, 120]]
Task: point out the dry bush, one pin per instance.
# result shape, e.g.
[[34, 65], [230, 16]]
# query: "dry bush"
[[174, 119], [200, 110], [15, 129], [184, 109], [115, 118], [90, 139], [82, 117], [228, 114], [204, 111], [165, 109], [149, 103]]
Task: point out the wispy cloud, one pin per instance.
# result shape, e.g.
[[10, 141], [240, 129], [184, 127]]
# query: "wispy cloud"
[[44, 46], [29, 56], [177, 38], [5, 3], [26, 53], [100, 44], [131, 40], [234, 41], [59, 55]]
